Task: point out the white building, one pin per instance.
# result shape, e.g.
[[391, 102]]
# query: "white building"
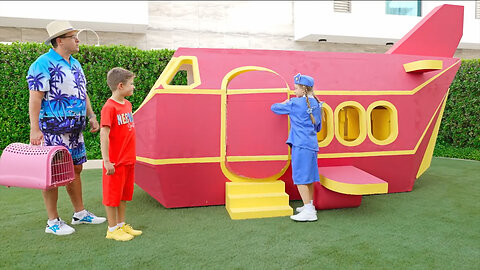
[[347, 26]]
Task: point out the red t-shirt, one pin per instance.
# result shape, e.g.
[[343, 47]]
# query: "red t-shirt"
[[119, 118]]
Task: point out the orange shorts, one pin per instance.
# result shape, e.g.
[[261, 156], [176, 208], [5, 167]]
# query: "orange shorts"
[[118, 186]]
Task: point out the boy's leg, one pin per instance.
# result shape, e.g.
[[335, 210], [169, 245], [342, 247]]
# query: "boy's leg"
[[113, 231], [111, 215], [121, 212], [50, 197]]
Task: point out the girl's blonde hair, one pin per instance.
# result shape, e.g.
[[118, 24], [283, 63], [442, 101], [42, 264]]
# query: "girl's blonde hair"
[[309, 90]]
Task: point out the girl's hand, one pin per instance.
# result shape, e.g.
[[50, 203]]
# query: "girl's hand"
[[109, 167], [285, 101]]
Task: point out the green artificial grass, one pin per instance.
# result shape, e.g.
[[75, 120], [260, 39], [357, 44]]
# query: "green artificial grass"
[[436, 226]]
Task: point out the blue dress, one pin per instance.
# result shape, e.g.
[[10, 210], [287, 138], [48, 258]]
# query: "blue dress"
[[302, 137]]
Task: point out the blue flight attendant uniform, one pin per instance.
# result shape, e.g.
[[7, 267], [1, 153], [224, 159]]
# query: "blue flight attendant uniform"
[[302, 137]]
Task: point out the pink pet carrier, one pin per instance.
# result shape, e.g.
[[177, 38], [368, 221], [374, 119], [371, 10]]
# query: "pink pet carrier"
[[39, 167]]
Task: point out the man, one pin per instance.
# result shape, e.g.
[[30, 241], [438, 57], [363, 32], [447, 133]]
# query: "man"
[[58, 109]]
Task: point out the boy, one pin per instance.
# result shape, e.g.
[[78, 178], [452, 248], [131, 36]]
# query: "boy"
[[117, 140]]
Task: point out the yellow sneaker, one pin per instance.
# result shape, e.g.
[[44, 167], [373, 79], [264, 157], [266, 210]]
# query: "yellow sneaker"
[[119, 235], [128, 229]]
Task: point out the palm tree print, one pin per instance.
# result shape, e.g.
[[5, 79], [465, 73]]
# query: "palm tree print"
[[73, 140], [34, 82], [60, 101], [56, 73], [53, 139], [79, 82]]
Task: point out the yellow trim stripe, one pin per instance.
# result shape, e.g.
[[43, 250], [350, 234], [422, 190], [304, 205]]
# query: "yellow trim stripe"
[[164, 161], [255, 158], [427, 156]]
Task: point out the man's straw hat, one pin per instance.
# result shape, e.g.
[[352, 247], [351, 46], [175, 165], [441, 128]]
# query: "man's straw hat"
[[58, 28]]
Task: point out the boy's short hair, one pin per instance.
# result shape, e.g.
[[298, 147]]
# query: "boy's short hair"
[[118, 75]]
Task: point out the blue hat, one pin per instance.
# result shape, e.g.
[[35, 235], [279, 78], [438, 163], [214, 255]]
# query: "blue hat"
[[303, 79]]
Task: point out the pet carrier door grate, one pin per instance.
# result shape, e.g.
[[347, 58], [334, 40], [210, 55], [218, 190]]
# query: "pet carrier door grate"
[[40, 167]]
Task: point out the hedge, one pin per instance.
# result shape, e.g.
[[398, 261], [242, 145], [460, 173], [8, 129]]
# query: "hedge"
[[460, 127]]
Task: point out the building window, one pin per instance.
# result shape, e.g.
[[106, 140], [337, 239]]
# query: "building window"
[[342, 6], [410, 8]]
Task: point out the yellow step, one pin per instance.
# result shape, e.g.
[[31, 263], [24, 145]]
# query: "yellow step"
[[255, 187], [257, 200], [260, 212]]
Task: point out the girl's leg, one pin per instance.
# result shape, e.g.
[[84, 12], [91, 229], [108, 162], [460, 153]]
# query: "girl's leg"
[[306, 192]]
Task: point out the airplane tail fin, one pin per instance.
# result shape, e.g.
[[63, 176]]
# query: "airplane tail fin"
[[438, 34]]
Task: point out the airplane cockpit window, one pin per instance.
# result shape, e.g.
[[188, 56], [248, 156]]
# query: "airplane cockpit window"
[[181, 73], [183, 76]]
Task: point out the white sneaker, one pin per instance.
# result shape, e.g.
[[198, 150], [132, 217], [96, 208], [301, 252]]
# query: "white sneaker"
[[306, 215], [299, 209], [87, 217], [59, 227]]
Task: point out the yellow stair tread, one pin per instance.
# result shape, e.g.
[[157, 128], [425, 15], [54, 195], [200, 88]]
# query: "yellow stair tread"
[[262, 208], [257, 195]]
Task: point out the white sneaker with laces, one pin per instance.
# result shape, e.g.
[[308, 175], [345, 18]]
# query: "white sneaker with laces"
[[59, 227], [305, 215], [86, 217]]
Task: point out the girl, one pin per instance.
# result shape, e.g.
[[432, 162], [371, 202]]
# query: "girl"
[[305, 121]]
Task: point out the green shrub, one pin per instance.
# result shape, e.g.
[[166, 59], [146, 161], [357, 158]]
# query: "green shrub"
[[460, 126]]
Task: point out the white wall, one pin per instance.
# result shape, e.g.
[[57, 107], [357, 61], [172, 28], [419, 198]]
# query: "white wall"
[[368, 23], [117, 16]]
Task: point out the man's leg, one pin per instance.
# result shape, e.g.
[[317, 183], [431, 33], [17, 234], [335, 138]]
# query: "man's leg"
[[50, 197], [74, 189]]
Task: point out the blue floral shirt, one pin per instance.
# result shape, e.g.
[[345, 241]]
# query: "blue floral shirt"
[[302, 131], [63, 108]]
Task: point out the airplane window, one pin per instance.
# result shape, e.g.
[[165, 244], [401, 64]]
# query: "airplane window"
[[183, 76], [382, 123], [181, 73], [325, 135], [350, 123]]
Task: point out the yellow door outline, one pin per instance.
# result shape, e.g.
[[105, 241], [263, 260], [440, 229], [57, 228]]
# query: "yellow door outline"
[[223, 132]]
